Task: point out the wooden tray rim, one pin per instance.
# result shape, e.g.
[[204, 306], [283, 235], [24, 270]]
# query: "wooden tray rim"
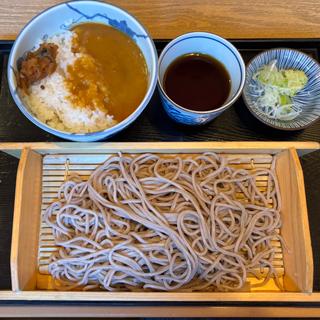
[[241, 147]]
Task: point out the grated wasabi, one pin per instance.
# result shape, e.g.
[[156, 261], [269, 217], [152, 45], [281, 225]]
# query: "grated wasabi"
[[275, 89]]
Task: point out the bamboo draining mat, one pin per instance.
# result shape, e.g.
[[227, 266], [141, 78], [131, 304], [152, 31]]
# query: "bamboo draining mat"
[[57, 167]]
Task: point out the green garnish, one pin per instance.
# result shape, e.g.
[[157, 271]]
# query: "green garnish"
[[275, 91]]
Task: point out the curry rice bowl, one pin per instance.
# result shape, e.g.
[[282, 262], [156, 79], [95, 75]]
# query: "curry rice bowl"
[[49, 98]]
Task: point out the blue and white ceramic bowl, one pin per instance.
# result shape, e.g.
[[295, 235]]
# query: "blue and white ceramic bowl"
[[63, 16], [308, 98], [214, 46]]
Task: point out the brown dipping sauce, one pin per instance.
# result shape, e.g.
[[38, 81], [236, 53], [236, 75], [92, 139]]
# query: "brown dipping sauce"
[[197, 82]]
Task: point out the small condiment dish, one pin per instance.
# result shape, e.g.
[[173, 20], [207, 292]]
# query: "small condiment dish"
[[308, 98], [207, 44]]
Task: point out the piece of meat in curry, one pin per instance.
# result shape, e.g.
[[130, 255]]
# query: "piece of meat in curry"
[[36, 65]]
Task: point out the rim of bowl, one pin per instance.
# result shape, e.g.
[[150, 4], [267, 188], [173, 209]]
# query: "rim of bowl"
[[234, 50], [96, 134], [248, 105]]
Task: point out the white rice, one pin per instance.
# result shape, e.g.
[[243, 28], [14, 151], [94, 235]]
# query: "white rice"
[[48, 100]]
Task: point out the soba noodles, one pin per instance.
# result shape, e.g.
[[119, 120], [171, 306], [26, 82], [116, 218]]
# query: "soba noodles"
[[155, 222]]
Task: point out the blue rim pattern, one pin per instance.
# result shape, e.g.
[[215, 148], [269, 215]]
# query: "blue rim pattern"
[[118, 24], [308, 98]]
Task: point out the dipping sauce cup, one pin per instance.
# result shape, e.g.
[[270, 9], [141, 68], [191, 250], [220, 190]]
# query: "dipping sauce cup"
[[206, 44]]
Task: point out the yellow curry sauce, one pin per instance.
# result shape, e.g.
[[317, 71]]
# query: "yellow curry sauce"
[[112, 75]]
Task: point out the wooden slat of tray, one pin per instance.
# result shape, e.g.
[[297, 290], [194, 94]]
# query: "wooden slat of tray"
[[54, 173], [100, 158], [98, 311], [237, 147]]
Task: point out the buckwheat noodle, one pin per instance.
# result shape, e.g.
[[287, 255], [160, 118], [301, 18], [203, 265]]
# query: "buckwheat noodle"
[[168, 223]]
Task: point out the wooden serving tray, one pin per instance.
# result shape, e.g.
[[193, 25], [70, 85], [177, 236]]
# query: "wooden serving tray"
[[43, 162]]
